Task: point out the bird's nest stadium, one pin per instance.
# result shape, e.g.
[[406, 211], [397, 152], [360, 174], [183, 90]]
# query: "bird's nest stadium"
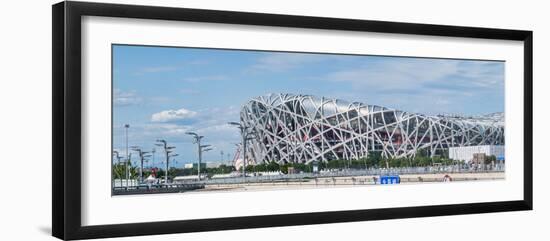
[[304, 128]]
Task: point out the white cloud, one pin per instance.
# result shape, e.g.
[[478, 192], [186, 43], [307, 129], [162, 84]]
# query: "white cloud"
[[172, 125], [428, 86], [484, 74], [160, 99], [205, 78], [125, 98], [395, 75], [170, 68], [165, 129], [189, 91], [173, 115], [219, 130], [158, 69], [422, 74], [277, 62]]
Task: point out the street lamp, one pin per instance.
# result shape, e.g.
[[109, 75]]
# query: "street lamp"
[[153, 158], [174, 160], [126, 126], [229, 158], [246, 135], [197, 140], [142, 155], [167, 151], [118, 157], [167, 165], [127, 174], [146, 159]]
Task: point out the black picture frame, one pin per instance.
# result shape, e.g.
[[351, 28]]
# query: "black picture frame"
[[66, 75]]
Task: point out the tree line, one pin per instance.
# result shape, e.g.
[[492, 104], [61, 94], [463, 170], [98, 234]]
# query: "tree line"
[[373, 160]]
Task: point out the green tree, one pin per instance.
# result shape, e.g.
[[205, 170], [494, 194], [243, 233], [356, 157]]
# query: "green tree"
[[273, 166], [421, 153], [118, 171], [374, 158], [284, 168], [249, 168], [490, 159], [160, 173]]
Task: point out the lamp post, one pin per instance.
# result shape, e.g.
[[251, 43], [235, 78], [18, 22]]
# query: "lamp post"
[[167, 165], [127, 171], [153, 158], [197, 140], [167, 150], [146, 160], [126, 126], [118, 157], [246, 135], [237, 154], [205, 148], [174, 162], [142, 156]]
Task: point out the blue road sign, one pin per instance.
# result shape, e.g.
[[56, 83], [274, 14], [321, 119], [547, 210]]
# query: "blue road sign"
[[390, 179]]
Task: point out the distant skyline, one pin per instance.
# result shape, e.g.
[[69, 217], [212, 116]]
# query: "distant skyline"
[[163, 92]]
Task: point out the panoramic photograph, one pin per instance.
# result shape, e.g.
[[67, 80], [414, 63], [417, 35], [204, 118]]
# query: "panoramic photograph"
[[190, 120]]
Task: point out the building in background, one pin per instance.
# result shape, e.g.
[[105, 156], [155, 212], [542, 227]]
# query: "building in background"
[[305, 128], [193, 165], [472, 153], [203, 165]]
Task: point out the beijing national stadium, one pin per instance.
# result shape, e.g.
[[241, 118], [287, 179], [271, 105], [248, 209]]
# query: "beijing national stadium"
[[304, 128]]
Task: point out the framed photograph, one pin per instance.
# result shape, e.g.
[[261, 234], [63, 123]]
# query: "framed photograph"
[[171, 120]]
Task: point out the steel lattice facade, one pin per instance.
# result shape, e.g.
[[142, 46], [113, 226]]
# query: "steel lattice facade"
[[304, 128]]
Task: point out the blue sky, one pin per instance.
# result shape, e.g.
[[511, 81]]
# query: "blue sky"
[[164, 92]]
